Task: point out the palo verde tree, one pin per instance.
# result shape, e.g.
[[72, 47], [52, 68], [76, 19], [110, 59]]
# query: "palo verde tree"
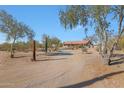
[[51, 43], [99, 16], [74, 16], [55, 43], [13, 29], [95, 16], [119, 17]]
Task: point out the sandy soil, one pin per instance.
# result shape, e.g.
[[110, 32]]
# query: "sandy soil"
[[70, 68]]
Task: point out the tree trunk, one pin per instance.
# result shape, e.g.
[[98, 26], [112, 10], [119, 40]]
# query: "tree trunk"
[[104, 50], [112, 50], [12, 49]]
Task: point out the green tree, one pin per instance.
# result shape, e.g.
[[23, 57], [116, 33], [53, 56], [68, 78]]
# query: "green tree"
[[99, 15], [95, 16], [73, 16], [51, 43], [13, 29], [119, 17], [55, 43]]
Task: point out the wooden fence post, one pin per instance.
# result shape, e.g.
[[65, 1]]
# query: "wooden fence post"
[[46, 44], [34, 51]]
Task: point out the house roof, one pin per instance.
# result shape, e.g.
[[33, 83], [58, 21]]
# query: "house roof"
[[83, 42]]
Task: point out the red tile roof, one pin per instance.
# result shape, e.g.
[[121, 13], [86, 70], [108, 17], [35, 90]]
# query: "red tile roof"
[[83, 42]]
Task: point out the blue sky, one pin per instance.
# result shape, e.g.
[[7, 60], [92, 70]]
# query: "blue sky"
[[44, 20]]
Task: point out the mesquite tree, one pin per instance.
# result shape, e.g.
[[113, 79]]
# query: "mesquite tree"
[[13, 29]]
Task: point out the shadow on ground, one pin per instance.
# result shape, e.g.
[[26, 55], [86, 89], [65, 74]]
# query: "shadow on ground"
[[59, 54], [117, 61], [118, 55], [50, 59], [19, 56], [89, 82], [89, 53]]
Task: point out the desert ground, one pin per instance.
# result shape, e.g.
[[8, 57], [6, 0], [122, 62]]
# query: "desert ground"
[[65, 69]]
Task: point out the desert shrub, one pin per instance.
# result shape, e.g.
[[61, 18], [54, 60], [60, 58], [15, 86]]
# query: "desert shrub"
[[121, 43], [84, 49], [5, 47], [97, 48], [110, 43], [26, 46], [19, 46]]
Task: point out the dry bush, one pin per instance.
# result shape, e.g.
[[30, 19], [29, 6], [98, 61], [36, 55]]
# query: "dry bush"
[[84, 49], [5, 47], [121, 43], [19, 46]]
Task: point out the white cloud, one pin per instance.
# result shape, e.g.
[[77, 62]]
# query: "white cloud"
[[2, 38]]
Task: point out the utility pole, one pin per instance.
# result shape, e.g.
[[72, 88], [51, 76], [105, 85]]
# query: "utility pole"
[[34, 51]]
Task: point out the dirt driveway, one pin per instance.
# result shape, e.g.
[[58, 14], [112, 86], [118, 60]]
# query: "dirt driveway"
[[70, 68]]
